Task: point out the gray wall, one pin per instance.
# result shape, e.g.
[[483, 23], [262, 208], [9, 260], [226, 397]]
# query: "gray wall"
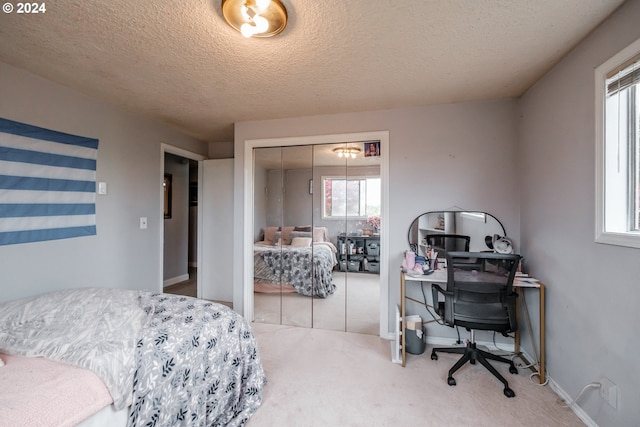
[[120, 255], [593, 292], [291, 207]]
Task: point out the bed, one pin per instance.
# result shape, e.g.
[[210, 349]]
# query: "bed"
[[292, 259], [164, 360]]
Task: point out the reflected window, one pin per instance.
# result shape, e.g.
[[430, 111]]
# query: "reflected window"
[[351, 197]]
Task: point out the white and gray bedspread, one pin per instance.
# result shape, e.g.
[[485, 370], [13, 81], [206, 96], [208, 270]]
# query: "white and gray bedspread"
[[307, 269], [178, 361]]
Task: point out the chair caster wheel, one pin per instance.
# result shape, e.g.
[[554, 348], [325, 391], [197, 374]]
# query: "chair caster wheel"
[[508, 392], [452, 381], [513, 369], [472, 361], [434, 356]]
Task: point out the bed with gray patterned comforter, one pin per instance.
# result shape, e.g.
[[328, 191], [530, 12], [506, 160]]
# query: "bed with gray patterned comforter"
[[174, 360], [307, 269]]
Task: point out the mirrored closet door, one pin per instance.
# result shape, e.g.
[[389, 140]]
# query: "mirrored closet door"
[[282, 252], [316, 250]]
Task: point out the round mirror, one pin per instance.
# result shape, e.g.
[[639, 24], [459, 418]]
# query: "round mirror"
[[454, 230]]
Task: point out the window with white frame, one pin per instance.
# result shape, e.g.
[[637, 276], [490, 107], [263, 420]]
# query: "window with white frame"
[[353, 198], [618, 149]]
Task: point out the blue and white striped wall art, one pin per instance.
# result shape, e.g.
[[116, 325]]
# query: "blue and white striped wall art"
[[47, 184]]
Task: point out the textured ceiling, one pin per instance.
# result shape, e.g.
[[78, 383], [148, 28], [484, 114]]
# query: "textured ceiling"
[[179, 62]]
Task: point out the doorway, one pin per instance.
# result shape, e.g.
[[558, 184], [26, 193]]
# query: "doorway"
[[250, 220], [180, 224], [179, 248]]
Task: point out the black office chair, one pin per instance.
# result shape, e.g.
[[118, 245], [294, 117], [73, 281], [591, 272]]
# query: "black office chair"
[[448, 242], [478, 298]]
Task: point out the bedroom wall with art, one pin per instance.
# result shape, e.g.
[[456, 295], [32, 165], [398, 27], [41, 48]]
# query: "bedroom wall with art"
[[592, 288], [120, 255], [440, 156]]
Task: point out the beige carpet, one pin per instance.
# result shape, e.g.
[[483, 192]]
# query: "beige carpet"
[[354, 307], [327, 378]]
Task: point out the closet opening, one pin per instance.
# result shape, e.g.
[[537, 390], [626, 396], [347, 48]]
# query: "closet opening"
[[316, 248]]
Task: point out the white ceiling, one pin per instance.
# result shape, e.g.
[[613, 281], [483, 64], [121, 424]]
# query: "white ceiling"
[[179, 62]]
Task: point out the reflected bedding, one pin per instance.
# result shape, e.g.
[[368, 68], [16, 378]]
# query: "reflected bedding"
[[308, 270]]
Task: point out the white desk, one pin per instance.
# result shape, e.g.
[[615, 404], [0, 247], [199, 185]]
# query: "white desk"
[[440, 277]]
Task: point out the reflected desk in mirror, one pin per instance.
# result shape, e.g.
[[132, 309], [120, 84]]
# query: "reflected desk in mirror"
[[477, 228]]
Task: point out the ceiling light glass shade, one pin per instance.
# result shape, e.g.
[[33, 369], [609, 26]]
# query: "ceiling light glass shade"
[[262, 24], [262, 4], [255, 18], [248, 30], [347, 152]]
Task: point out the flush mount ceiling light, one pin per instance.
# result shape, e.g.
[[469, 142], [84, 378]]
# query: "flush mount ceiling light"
[[255, 18], [347, 152]]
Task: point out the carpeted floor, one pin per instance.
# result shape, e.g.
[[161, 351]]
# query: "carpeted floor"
[[354, 307], [327, 378]]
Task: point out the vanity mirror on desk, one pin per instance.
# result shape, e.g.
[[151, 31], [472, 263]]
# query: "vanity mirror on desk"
[[480, 227]]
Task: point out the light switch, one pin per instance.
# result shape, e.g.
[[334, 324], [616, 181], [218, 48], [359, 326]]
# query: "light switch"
[[102, 188], [143, 222]]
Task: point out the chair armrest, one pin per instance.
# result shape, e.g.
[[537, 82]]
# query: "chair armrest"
[[434, 293], [511, 310], [439, 306]]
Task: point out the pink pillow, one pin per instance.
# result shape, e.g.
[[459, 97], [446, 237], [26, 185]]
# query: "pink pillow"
[[286, 235], [320, 234], [269, 234]]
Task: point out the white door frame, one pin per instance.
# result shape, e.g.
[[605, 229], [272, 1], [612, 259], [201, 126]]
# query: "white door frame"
[[166, 148], [250, 144]]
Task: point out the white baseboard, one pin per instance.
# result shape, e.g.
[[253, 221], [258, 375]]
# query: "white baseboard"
[[586, 419], [175, 280]]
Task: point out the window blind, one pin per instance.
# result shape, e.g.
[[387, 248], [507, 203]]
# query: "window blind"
[[625, 77]]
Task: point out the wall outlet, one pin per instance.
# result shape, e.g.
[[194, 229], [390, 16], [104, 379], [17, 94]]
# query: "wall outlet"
[[609, 392], [143, 223]]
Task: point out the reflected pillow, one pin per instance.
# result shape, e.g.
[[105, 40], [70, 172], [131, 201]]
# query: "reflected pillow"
[[320, 234], [301, 242], [269, 234], [286, 235], [295, 234]]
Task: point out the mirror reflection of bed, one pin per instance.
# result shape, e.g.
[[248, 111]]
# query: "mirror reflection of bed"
[[301, 207]]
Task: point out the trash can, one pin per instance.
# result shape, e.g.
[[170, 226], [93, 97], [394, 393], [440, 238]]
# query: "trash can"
[[414, 341]]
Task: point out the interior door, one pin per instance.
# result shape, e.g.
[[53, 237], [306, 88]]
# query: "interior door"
[[217, 230], [347, 196], [267, 218], [330, 312], [297, 218], [283, 211]]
